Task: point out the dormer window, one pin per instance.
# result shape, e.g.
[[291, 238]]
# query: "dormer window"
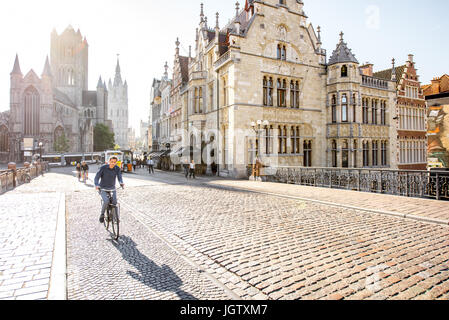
[[344, 71]]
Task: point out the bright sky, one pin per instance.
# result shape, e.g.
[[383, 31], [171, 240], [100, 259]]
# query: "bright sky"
[[144, 32]]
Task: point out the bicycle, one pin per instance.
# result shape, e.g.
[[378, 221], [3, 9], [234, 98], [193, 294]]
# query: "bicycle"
[[85, 176], [112, 215]]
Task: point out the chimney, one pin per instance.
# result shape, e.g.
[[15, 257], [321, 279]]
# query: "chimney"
[[410, 58], [435, 86], [367, 69]]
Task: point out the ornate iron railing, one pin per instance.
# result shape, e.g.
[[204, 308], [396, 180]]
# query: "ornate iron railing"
[[10, 179], [419, 184]]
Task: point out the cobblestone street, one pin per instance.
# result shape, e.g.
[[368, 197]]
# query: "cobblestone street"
[[217, 239]]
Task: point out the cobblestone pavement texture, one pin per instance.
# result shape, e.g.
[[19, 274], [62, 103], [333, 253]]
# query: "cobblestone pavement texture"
[[281, 248], [256, 245], [27, 237]]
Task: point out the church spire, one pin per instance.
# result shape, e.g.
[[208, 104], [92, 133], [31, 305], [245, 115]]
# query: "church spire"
[[100, 83], [16, 69], [47, 69], [118, 77]]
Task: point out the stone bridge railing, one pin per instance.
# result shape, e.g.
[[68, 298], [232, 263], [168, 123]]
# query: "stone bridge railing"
[[419, 184], [10, 179]]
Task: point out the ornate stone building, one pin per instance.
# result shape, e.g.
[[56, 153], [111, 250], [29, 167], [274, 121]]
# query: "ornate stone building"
[[437, 98], [57, 104], [118, 108], [261, 86], [411, 114]]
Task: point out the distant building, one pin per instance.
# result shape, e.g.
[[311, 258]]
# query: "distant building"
[[437, 97], [261, 86], [155, 115], [411, 114], [56, 104], [118, 108]]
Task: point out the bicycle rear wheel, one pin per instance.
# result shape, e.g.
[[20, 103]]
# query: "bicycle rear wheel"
[[115, 220]]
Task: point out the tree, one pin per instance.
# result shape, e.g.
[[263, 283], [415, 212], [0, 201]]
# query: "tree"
[[103, 138], [62, 144]]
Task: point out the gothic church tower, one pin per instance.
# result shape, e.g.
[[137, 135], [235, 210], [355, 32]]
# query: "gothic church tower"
[[118, 108], [69, 63]]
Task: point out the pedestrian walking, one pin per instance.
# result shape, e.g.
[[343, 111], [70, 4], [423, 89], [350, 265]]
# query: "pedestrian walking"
[[192, 170], [150, 163], [78, 171], [134, 164]]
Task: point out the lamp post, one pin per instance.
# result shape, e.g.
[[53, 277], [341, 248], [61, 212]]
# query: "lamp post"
[[40, 150], [257, 127]]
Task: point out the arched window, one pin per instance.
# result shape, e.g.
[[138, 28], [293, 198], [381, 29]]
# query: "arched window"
[[384, 160], [294, 94], [307, 153], [383, 113], [374, 111], [344, 71], [345, 154], [344, 108], [200, 101], [365, 111], [265, 91], [4, 139], [354, 108], [365, 154], [282, 90], [375, 153], [196, 101], [334, 109], [31, 112], [334, 154]]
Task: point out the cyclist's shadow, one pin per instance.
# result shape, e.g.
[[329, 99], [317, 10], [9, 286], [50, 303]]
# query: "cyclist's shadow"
[[161, 278]]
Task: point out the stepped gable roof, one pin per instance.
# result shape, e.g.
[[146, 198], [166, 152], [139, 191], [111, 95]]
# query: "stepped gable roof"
[[62, 97], [342, 53], [386, 74]]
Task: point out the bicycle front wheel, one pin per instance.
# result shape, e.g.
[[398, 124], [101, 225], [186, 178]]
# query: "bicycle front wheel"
[[115, 217], [107, 220]]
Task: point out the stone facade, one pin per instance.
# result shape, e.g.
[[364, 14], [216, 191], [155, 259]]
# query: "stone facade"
[[155, 114], [262, 87], [437, 98], [118, 108], [411, 116], [57, 103]]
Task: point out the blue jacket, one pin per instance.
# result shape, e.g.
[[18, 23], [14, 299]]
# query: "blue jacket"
[[107, 177]]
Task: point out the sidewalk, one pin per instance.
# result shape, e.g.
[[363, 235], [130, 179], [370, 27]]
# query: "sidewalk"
[[411, 208], [32, 246]]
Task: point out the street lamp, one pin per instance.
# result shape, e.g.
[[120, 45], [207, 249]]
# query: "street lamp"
[[40, 150]]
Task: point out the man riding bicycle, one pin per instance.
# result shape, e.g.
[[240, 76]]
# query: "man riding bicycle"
[[105, 180]]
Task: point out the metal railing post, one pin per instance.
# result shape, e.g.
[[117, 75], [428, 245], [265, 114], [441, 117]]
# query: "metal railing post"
[[438, 186]]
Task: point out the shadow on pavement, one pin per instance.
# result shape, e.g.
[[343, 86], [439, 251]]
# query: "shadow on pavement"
[[162, 278]]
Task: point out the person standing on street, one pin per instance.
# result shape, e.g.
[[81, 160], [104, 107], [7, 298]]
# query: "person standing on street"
[[150, 166], [192, 169], [85, 169], [78, 171]]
